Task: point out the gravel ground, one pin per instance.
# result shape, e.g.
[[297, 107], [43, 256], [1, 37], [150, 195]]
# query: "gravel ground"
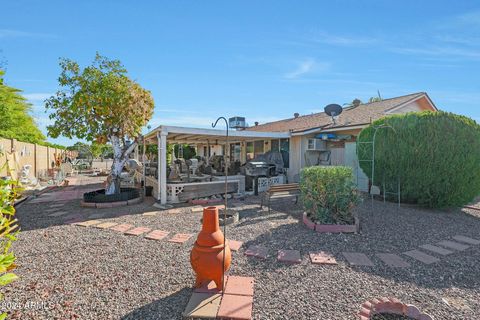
[[70, 272]]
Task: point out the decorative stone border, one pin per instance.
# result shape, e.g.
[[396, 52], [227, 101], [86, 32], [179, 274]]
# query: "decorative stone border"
[[331, 228], [390, 305], [114, 204]]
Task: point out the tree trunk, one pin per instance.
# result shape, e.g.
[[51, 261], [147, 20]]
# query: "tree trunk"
[[120, 156]]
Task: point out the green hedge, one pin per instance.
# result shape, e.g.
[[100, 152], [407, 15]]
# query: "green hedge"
[[435, 154], [329, 194]]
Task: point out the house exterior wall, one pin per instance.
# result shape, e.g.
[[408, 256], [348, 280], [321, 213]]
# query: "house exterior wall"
[[342, 153], [295, 158], [414, 106]]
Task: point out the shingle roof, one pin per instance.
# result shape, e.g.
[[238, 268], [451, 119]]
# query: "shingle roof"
[[363, 114]]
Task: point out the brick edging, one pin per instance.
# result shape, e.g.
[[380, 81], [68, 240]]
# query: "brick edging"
[[330, 228], [114, 204], [390, 305]]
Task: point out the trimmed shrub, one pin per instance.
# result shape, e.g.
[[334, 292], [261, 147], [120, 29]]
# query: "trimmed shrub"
[[436, 155], [329, 194]]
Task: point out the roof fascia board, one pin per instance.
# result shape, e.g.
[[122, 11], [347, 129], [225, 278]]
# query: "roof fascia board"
[[216, 132]]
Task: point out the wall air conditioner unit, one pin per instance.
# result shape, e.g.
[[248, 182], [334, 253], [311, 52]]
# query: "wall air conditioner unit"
[[316, 145]]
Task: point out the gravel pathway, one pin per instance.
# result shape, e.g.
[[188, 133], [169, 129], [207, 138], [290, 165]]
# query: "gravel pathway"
[[72, 272]]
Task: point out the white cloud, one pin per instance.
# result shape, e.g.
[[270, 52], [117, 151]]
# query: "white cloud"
[[37, 97], [306, 66], [43, 121], [462, 40], [439, 51], [470, 18], [341, 40], [9, 33]]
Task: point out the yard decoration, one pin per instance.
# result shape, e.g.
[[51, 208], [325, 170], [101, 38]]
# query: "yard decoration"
[[100, 103], [329, 194], [436, 156], [211, 256]]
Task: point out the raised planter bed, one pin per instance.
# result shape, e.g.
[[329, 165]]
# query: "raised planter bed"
[[331, 228], [98, 198]]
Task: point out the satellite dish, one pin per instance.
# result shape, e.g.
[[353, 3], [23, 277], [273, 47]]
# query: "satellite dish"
[[333, 110]]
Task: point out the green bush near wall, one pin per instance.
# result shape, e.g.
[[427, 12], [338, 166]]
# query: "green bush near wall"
[[329, 194], [436, 155]]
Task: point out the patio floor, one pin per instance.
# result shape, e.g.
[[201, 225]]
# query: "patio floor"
[[73, 272]]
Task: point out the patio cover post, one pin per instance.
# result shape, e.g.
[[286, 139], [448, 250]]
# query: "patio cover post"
[[162, 167]]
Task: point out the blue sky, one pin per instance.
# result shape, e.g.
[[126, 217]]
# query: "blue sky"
[[261, 59]]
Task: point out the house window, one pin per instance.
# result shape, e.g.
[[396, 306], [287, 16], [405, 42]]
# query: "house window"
[[249, 150], [275, 145], [235, 150], [258, 148], [285, 150], [282, 146]]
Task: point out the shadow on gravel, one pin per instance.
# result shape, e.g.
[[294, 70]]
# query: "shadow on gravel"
[[254, 216], [33, 216], [386, 229], [166, 308]]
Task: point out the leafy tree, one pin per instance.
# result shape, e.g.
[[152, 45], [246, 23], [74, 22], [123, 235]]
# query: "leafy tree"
[[15, 121], [83, 149], [100, 103], [101, 150]]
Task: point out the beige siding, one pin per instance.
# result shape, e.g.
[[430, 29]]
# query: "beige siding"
[[295, 160], [337, 156], [411, 107]]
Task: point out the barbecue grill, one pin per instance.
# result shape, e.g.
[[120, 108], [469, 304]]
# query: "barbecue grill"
[[256, 168]]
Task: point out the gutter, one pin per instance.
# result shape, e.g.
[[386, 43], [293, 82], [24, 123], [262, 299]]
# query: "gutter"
[[330, 129]]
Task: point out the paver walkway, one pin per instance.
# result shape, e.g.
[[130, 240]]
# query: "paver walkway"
[[181, 237], [257, 252], [157, 235], [436, 249], [393, 260], [421, 256], [467, 240], [235, 303], [137, 231], [453, 245], [290, 256], [122, 227], [322, 258], [357, 259]]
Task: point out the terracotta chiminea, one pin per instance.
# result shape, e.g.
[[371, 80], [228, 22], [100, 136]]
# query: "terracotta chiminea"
[[207, 254]]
